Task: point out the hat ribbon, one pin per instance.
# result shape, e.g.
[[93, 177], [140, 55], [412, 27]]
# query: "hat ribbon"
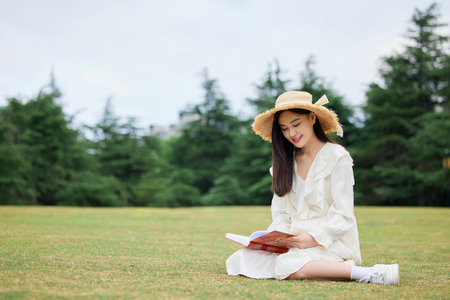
[[323, 100]]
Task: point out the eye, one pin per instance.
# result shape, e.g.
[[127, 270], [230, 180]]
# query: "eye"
[[283, 129], [296, 124]]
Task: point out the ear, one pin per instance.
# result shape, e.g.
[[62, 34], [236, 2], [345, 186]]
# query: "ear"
[[312, 117]]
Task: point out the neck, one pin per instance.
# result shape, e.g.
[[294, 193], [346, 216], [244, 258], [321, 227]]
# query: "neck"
[[313, 146]]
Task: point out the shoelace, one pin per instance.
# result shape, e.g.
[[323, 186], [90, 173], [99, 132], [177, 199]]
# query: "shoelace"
[[375, 277]]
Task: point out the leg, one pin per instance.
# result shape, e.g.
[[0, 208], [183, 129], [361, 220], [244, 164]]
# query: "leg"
[[331, 270], [323, 270]]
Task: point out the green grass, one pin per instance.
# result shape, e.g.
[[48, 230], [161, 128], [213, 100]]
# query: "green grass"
[[116, 253]]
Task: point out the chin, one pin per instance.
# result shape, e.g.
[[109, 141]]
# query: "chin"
[[300, 143]]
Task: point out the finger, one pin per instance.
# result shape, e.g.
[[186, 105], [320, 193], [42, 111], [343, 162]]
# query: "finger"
[[279, 243]]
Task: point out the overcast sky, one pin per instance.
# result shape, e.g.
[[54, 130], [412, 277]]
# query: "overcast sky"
[[148, 55]]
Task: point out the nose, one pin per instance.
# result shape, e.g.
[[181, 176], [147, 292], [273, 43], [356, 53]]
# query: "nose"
[[292, 132]]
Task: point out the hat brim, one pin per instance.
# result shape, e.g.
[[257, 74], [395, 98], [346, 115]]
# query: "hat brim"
[[328, 119]]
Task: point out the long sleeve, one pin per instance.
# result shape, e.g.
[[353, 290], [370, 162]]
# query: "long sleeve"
[[281, 220], [340, 218]]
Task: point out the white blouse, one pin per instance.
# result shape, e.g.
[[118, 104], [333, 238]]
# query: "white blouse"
[[324, 207]]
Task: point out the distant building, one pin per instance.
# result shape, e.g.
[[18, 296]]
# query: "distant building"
[[186, 118], [163, 131], [167, 131]]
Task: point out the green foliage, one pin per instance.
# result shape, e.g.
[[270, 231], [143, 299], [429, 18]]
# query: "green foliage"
[[44, 161], [316, 85], [268, 90], [244, 177], [206, 142], [122, 154], [429, 146], [401, 116], [13, 176], [178, 189], [41, 146], [90, 189], [155, 179], [166, 185], [13, 165]]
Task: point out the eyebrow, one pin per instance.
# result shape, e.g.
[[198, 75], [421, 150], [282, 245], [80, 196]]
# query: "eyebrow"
[[295, 120]]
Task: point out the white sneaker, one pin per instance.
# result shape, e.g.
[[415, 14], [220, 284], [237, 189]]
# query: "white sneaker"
[[383, 274]]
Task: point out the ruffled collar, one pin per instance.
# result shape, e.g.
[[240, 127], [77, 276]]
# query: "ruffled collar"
[[314, 189]]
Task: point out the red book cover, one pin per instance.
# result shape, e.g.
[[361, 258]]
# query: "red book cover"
[[260, 240]]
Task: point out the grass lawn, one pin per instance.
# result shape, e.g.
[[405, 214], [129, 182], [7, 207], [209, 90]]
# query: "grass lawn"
[[59, 252]]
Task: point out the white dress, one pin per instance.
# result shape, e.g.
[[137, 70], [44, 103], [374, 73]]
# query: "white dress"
[[322, 205]]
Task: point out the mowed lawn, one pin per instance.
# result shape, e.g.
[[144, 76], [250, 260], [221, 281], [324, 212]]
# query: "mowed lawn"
[[154, 253]]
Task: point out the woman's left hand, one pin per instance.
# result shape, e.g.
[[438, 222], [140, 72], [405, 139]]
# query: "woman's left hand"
[[301, 240]]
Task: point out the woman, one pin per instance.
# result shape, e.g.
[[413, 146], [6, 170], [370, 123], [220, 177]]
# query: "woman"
[[313, 199]]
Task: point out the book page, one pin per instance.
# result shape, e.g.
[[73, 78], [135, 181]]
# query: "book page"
[[238, 238], [257, 234]]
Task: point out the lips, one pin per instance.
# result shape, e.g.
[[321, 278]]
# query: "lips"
[[297, 140]]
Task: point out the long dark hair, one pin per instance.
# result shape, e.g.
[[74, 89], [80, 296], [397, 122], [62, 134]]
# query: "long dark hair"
[[283, 153]]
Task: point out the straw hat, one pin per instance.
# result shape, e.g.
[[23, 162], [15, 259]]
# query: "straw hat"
[[303, 100]]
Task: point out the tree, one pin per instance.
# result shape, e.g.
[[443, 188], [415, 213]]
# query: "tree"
[[122, 154], [43, 160], [42, 132], [14, 167], [244, 178], [269, 89], [163, 184], [88, 188], [206, 142], [316, 85], [429, 146], [413, 94], [177, 189]]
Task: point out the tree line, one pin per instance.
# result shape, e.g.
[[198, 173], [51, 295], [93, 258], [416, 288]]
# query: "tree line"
[[400, 140]]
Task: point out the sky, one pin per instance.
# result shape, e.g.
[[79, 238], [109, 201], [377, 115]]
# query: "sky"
[[148, 55]]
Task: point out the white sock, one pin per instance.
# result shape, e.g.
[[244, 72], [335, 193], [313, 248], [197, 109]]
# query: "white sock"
[[359, 273]]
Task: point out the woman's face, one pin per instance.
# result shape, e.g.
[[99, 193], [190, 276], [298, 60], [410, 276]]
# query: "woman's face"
[[297, 128]]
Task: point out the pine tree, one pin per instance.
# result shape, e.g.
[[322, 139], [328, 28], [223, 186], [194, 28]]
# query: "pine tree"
[[14, 167], [415, 84], [206, 142], [269, 89], [122, 154], [314, 84], [43, 150], [244, 179]]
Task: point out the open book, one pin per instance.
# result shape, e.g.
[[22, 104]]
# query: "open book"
[[260, 240]]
